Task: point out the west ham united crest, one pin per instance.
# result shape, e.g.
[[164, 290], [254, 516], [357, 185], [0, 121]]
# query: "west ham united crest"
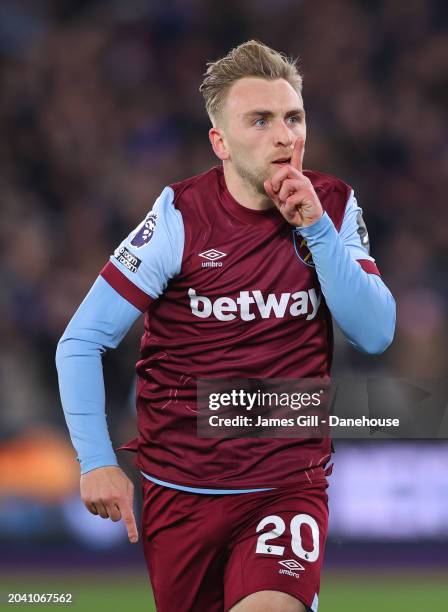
[[302, 250]]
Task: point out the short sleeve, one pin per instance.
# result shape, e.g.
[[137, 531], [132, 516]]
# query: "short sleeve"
[[144, 263]]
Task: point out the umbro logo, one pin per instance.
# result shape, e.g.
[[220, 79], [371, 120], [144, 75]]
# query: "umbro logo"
[[212, 256], [290, 565]]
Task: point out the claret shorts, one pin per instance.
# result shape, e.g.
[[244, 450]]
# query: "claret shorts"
[[207, 552]]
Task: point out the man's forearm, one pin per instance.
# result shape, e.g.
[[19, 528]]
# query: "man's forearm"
[[81, 387], [100, 323], [360, 303]]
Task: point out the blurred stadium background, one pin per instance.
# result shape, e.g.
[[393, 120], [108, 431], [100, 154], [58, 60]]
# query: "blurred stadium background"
[[99, 109]]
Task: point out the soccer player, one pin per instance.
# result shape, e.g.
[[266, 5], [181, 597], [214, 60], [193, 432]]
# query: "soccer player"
[[238, 271]]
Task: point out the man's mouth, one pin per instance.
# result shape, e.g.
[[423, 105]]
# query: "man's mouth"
[[281, 161]]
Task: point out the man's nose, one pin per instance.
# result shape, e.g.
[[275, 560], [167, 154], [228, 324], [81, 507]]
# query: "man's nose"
[[283, 135]]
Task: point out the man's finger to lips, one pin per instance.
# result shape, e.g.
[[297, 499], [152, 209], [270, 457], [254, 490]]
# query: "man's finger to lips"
[[296, 158]]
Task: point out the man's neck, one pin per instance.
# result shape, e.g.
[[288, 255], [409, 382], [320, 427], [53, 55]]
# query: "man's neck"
[[243, 192]]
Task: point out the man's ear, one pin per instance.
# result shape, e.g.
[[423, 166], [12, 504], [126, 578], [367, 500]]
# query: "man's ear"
[[218, 143]]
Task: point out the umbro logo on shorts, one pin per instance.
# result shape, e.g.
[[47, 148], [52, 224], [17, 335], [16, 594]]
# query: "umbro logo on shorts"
[[291, 564], [212, 256]]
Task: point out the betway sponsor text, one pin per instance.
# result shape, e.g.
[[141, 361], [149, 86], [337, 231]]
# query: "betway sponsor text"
[[250, 304]]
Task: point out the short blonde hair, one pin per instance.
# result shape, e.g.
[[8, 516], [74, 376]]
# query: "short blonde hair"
[[250, 59]]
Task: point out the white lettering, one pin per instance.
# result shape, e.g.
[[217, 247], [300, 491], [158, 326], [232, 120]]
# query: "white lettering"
[[245, 301], [271, 303], [300, 306], [194, 304], [315, 301], [252, 399], [222, 306], [363, 421], [227, 309]]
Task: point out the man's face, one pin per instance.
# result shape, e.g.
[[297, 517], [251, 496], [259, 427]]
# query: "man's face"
[[261, 121]]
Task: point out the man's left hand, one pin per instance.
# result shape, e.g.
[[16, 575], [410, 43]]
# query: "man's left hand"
[[293, 193]]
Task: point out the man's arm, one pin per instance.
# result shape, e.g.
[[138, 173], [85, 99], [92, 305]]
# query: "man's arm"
[[359, 301], [99, 324], [136, 275]]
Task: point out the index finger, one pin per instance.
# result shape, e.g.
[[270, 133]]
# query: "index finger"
[[127, 514], [297, 154]]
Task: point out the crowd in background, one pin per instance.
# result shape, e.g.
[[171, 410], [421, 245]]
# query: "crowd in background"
[[100, 109]]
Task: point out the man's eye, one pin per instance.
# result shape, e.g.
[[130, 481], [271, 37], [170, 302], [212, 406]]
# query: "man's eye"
[[294, 119], [260, 122]]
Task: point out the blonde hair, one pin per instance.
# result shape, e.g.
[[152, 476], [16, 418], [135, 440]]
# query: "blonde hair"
[[250, 59]]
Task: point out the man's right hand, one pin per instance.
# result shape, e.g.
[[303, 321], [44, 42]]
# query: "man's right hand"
[[107, 491]]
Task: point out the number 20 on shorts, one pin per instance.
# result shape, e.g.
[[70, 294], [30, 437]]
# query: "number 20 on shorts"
[[296, 537]]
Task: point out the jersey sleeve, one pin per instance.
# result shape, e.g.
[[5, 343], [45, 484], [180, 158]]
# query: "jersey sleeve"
[[144, 263], [355, 294], [99, 324], [355, 237]]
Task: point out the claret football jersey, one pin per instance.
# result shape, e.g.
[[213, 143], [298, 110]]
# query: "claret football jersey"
[[227, 292]]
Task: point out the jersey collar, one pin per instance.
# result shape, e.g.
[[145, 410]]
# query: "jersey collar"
[[263, 218]]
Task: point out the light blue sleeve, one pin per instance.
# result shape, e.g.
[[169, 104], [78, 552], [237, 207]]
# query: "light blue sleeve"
[[149, 257], [353, 231], [100, 323], [152, 253], [360, 302]]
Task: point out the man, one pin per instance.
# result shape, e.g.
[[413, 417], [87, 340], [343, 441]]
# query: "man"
[[238, 271]]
